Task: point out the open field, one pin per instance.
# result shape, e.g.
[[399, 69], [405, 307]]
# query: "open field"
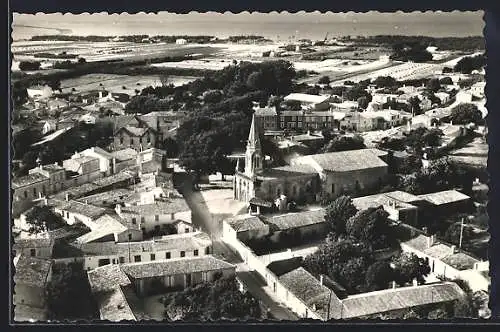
[[115, 83]]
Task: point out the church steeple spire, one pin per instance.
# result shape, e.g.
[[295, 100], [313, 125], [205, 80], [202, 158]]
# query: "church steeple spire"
[[253, 155], [253, 136]]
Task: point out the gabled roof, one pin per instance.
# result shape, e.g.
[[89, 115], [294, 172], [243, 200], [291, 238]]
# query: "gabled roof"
[[400, 298], [106, 278], [444, 197], [298, 219], [87, 210], [27, 180], [166, 206], [175, 266], [134, 131], [124, 154], [245, 222]]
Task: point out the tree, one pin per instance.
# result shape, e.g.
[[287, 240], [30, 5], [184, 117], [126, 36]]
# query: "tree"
[[212, 96], [363, 102], [353, 273], [433, 85], [410, 51], [54, 84], [344, 143], [447, 70], [338, 212], [82, 60], [324, 80], [446, 81], [465, 113], [255, 80], [29, 65], [452, 234], [467, 64], [408, 266], [356, 92], [43, 218], [414, 105], [293, 105], [385, 82], [19, 93], [275, 101], [370, 226], [379, 275]]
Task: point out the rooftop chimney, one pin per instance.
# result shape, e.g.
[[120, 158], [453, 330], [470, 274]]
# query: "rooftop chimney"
[[453, 249], [393, 284], [67, 197], [321, 279], [118, 209], [430, 240], [415, 283]]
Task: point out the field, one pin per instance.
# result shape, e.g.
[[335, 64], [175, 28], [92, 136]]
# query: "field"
[[115, 83]]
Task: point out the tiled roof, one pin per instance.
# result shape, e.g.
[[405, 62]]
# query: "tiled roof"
[[114, 307], [366, 202], [77, 191], [106, 278], [299, 219], [438, 250], [419, 243], [27, 180], [32, 271], [287, 171], [307, 288], [345, 161], [166, 206], [175, 266], [245, 222], [265, 111], [444, 197], [115, 178], [135, 131], [400, 298], [87, 210], [52, 168], [460, 261], [403, 196], [118, 194], [39, 242]]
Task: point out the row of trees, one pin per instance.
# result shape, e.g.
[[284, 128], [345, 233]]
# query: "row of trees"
[[467, 64], [216, 300]]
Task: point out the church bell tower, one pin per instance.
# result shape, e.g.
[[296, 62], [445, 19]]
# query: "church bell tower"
[[253, 155]]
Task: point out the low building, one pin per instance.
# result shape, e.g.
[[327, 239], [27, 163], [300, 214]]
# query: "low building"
[[31, 278], [152, 217], [55, 174], [110, 227], [443, 97], [477, 89], [106, 162], [40, 247], [306, 224], [448, 201], [107, 199], [448, 261], [76, 212], [39, 92], [124, 158], [82, 169], [26, 189], [396, 203], [154, 277], [244, 227], [463, 97]]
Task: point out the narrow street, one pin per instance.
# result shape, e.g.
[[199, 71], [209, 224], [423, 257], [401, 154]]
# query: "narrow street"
[[257, 287]]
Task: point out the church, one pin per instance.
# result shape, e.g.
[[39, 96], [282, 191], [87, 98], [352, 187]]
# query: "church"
[[307, 177]]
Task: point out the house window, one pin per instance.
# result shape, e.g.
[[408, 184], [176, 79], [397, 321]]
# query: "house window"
[[33, 252], [34, 192], [129, 237], [153, 257], [104, 261], [186, 230], [44, 189], [333, 188], [67, 214], [167, 255], [157, 217], [121, 139], [148, 139], [122, 259], [137, 258], [195, 253], [172, 216], [143, 220], [131, 141], [134, 221], [183, 254], [25, 194]]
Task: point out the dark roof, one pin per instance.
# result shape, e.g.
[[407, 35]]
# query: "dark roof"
[[284, 266], [287, 171], [444, 197], [115, 178], [27, 180], [41, 242], [106, 278], [87, 210], [121, 97], [32, 271], [245, 222], [298, 219], [175, 266], [260, 202]]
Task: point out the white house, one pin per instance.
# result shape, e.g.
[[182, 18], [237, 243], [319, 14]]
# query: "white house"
[[181, 41], [463, 97], [39, 92], [443, 97]]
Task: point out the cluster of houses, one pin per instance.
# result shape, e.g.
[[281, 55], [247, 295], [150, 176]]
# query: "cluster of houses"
[[321, 298]]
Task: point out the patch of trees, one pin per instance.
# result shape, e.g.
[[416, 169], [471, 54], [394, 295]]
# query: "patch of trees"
[[218, 300], [42, 218], [466, 113], [467, 64], [344, 143], [62, 55], [252, 38], [410, 51], [324, 80], [386, 82], [415, 139], [443, 43], [29, 65]]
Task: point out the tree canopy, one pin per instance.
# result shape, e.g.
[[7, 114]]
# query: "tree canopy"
[[467, 64], [43, 218], [370, 226], [466, 113], [408, 266], [338, 213], [344, 143]]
